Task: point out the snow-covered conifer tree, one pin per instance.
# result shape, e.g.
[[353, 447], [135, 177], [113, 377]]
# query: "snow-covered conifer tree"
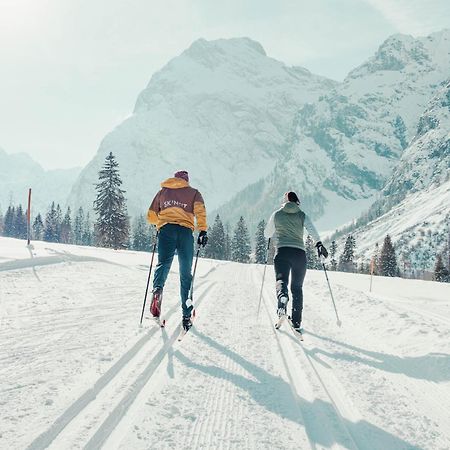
[[78, 225], [216, 242], [38, 228], [51, 225], [388, 260], [87, 231], [142, 234], [240, 244], [112, 225], [260, 243], [20, 226], [66, 234], [312, 260], [9, 222], [346, 261], [441, 273], [333, 251]]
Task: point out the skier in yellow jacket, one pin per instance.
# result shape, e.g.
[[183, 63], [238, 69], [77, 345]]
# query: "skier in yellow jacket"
[[174, 211]]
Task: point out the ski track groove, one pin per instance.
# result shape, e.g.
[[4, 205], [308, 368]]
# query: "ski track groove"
[[46, 438], [120, 410], [291, 370], [203, 436], [288, 370]]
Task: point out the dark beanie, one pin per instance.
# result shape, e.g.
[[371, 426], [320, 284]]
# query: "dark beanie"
[[292, 197], [182, 174]]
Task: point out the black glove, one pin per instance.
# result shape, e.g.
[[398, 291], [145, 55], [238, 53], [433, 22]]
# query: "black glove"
[[321, 250], [202, 238]]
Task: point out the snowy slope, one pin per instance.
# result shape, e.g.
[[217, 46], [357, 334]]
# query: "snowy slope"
[[77, 372], [19, 172], [344, 147], [414, 207], [221, 110]]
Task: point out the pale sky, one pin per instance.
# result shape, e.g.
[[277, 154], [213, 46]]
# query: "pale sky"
[[71, 70]]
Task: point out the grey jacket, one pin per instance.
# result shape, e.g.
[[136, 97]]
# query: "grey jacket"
[[286, 225]]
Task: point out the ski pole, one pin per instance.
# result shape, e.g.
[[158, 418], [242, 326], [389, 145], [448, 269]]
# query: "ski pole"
[[191, 293], [339, 323], [148, 279], [264, 275]]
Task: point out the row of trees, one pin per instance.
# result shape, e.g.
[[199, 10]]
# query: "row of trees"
[[112, 229]]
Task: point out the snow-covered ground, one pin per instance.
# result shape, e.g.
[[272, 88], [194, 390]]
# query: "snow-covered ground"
[[76, 371]]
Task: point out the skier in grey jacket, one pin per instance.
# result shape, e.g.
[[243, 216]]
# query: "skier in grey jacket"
[[286, 225]]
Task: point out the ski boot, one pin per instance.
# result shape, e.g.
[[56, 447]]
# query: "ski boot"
[[187, 323], [282, 304], [155, 305]]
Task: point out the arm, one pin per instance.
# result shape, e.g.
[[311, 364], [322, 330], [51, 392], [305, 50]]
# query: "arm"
[[270, 227], [152, 214], [311, 228], [200, 212]]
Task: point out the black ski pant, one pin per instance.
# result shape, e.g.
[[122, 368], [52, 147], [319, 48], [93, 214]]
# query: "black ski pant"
[[291, 261]]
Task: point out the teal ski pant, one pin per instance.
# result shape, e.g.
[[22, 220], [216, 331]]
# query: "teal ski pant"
[[175, 239]]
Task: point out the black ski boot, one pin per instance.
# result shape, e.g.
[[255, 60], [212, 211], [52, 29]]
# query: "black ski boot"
[[187, 323]]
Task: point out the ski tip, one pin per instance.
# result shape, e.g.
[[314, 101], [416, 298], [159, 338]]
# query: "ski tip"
[[339, 323]]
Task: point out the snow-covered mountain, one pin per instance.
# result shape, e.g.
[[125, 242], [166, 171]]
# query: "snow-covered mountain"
[[222, 110], [414, 207], [19, 172], [343, 148]]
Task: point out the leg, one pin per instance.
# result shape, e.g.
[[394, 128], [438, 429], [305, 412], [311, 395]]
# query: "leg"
[[298, 275], [166, 250], [185, 248], [282, 268]]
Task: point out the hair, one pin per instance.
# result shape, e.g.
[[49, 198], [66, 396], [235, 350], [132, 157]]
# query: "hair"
[[292, 197]]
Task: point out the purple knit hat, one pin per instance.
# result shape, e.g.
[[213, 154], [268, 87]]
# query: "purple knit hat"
[[182, 174]]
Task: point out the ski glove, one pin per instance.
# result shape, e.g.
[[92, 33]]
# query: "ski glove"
[[202, 238], [321, 250]]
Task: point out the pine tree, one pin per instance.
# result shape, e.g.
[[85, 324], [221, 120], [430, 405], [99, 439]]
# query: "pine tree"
[[38, 228], [388, 260], [240, 244], [1, 223], [78, 225], [333, 251], [216, 242], [20, 226], [142, 235], [441, 273], [312, 259], [51, 225], [260, 243], [87, 231], [9, 222], [346, 261], [66, 234], [227, 254], [112, 225], [59, 220]]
